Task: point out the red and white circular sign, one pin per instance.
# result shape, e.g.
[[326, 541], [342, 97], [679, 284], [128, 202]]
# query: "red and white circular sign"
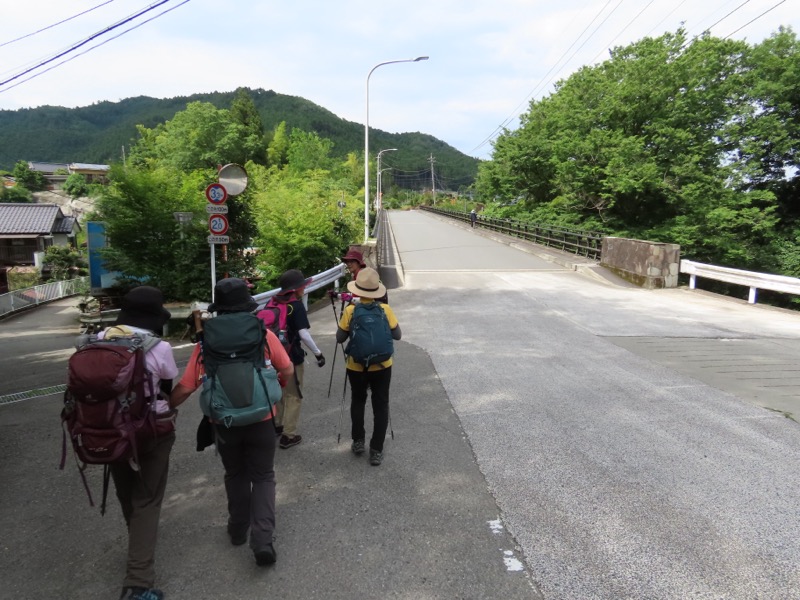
[[218, 224], [216, 193]]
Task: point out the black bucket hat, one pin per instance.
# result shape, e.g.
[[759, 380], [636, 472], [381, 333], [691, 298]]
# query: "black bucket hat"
[[143, 307], [292, 280], [232, 295]]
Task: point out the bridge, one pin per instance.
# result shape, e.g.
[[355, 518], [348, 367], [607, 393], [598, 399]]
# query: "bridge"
[[558, 434]]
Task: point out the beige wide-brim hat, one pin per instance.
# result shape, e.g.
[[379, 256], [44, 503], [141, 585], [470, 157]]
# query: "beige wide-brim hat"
[[367, 284]]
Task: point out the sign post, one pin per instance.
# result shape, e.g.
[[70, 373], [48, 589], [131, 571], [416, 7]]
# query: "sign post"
[[216, 194], [232, 182]]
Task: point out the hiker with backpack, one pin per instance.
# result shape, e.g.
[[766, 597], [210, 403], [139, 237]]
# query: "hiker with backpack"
[[290, 302], [239, 363], [131, 430], [371, 327]]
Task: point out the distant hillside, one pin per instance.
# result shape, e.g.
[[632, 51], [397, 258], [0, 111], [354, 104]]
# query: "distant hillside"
[[97, 133]]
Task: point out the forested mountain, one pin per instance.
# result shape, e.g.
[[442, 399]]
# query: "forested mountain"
[[97, 133]]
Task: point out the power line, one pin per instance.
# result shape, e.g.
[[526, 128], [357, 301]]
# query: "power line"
[[85, 41], [756, 19], [93, 47], [27, 35], [728, 15], [555, 66]]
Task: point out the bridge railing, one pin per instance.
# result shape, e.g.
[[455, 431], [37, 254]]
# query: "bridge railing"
[[581, 243], [751, 279], [33, 296], [318, 281]]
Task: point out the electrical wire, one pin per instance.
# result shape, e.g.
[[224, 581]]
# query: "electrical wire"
[[728, 15], [93, 47], [27, 35], [557, 64], [753, 20], [624, 29], [85, 41]]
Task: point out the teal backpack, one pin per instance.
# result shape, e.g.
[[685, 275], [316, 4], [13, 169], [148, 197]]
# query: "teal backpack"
[[370, 337], [240, 387]]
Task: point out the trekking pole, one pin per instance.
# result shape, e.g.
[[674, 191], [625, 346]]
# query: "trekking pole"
[[333, 362], [389, 412]]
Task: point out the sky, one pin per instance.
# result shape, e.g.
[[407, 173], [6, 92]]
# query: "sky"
[[487, 59]]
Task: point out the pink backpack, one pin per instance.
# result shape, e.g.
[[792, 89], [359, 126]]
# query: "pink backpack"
[[274, 316]]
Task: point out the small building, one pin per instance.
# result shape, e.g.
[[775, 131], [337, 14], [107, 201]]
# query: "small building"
[[92, 173], [26, 229], [56, 173]]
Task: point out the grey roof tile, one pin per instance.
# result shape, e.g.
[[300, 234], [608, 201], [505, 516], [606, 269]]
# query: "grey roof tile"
[[35, 219]]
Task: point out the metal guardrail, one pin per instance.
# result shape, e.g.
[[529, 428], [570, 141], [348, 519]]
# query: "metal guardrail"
[[320, 280], [33, 296], [751, 279], [581, 243]]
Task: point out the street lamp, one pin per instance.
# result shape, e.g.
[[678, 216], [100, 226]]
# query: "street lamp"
[[379, 171], [182, 218], [379, 199], [366, 141]]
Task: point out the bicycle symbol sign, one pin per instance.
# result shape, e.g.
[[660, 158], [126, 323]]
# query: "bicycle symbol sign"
[[216, 193], [218, 224]]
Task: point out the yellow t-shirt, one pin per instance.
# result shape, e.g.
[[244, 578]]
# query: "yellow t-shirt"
[[344, 323]]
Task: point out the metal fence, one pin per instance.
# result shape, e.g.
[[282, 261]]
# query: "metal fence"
[[25, 298], [574, 241]]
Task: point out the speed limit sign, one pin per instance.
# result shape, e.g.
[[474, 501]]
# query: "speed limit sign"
[[218, 224]]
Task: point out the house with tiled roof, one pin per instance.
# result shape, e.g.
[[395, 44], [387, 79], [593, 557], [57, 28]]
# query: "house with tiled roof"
[[26, 229]]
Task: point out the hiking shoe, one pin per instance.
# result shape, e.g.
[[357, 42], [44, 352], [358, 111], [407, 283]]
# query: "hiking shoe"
[[238, 533], [279, 430], [358, 447], [288, 442], [141, 593], [265, 556], [375, 457]]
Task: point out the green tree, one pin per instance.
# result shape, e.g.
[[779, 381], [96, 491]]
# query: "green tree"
[[300, 223], [64, 262], [308, 151], [145, 241], [28, 178], [15, 194], [76, 185], [644, 145], [203, 137], [278, 149]]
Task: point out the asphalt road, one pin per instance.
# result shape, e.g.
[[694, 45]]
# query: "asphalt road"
[[622, 431], [556, 436]]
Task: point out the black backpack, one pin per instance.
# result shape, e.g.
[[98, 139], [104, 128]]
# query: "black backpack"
[[240, 387], [370, 337]]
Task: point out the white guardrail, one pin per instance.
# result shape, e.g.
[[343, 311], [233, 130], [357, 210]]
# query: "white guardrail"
[[33, 296], [320, 280], [751, 279]]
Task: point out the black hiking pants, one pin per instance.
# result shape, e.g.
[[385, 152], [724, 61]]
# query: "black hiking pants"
[[378, 383], [248, 455]]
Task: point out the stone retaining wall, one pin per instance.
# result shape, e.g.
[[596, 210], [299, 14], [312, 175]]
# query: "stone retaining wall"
[[650, 265]]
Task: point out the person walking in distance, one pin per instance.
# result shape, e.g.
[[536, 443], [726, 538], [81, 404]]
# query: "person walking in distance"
[[473, 216], [293, 284], [247, 451], [141, 492], [365, 375]]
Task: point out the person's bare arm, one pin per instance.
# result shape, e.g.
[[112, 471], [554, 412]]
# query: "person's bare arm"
[[179, 395]]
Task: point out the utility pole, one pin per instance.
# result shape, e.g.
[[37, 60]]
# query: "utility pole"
[[433, 181]]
